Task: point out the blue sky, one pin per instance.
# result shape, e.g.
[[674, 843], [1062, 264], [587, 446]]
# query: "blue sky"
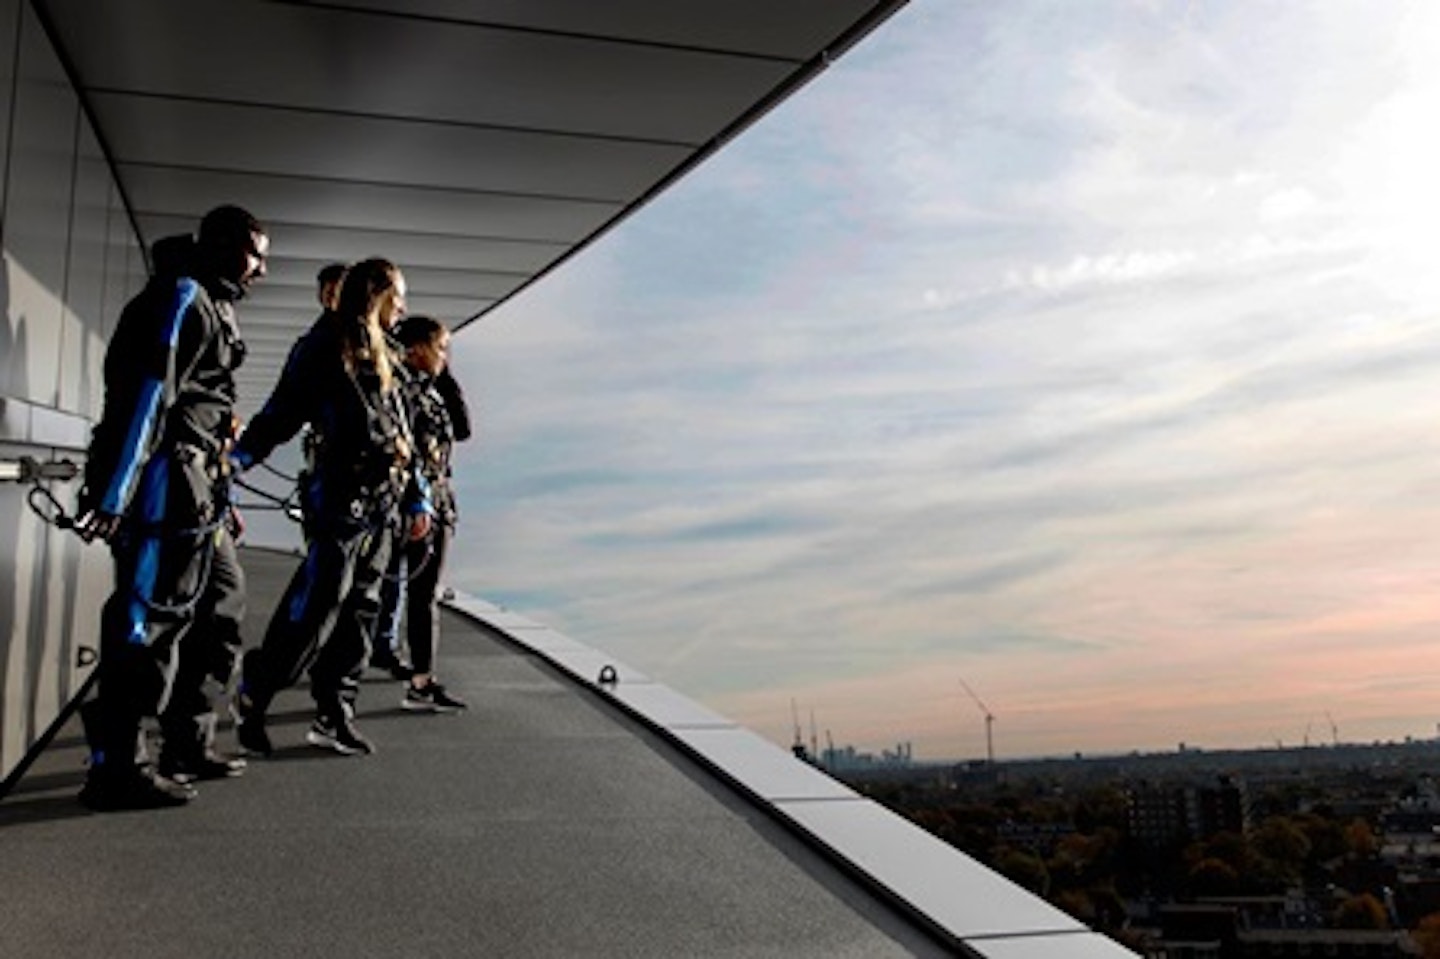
[[1085, 352]]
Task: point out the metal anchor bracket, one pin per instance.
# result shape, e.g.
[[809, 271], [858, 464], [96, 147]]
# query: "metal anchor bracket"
[[27, 469]]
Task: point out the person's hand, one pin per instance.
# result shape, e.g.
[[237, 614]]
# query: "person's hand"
[[419, 526], [235, 522], [97, 524]]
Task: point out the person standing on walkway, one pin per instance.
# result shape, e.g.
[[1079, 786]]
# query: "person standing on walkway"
[[438, 417], [156, 489], [341, 379]]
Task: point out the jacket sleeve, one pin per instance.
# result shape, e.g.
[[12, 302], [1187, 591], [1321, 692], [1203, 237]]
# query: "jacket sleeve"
[[289, 407], [418, 497], [449, 389], [138, 423]]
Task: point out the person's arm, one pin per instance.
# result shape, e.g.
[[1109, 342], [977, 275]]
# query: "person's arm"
[[105, 504], [417, 502], [449, 389], [287, 409]]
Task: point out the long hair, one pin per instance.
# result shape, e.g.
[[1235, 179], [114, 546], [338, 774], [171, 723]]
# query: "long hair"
[[357, 316]]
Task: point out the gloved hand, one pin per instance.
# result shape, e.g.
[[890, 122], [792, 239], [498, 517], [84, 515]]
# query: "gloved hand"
[[97, 524]]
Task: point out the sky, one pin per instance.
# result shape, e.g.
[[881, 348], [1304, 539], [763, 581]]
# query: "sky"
[[1086, 355]]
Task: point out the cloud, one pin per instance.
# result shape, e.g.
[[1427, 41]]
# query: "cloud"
[[1049, 346]]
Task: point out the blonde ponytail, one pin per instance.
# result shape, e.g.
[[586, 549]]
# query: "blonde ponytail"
[[361, 336]]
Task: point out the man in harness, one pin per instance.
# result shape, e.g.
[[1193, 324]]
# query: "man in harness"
[[157, 490]]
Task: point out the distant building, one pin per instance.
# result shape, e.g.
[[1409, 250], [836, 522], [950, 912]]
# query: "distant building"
[[1160, 816], [849, 759], [1412, 827], [1206, 931]]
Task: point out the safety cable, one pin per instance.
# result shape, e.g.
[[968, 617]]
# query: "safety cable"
[[50, 510], [46, 506]]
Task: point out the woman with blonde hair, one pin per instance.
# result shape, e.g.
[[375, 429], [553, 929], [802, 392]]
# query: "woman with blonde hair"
[[341, 379]]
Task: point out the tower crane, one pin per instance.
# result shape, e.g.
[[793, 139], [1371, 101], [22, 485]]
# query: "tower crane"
[[989, 723]]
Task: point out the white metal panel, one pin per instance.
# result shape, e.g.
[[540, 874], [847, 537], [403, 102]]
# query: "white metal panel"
[[962, 896]]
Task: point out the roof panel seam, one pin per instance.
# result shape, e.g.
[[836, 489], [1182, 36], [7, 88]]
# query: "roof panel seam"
[[398, 234], [372, 184], [699, 49], [394, 118]]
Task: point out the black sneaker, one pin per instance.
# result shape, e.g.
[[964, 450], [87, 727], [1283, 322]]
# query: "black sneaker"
[[339, 735], [430, 698], [250, 727], [132, 789], [208, 765]]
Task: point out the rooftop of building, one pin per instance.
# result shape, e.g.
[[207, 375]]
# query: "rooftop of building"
[[557, 817]]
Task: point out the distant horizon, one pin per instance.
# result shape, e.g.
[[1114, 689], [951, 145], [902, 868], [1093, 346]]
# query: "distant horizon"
[[1190, 749], [1086, 354]]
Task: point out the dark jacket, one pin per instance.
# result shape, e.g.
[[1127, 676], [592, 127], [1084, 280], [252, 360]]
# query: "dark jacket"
[[438, 414], [358, 429], [169, 375]]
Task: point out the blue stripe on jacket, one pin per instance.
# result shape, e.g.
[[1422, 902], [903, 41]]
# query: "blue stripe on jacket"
[[150, 507], [144, 422]]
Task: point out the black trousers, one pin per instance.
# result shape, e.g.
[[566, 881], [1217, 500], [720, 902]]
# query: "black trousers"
[[208, 656], [175, 569], [412, 585], [326, 617]]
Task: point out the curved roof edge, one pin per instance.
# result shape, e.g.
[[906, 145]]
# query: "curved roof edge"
[[946, 891]]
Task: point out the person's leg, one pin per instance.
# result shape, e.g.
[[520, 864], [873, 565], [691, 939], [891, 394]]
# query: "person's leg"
[[156, 574], [427, 559], [302, 620], [334, 677], [385, 650], [208, 656], [425, 693], [129, 680]]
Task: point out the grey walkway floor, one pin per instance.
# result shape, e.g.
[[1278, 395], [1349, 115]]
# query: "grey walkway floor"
[[542, 822]]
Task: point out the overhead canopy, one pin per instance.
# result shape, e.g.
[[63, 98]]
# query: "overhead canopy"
[[478, 143]]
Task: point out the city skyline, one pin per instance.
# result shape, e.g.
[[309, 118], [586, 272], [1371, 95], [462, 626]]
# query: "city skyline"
[[1084, 354]]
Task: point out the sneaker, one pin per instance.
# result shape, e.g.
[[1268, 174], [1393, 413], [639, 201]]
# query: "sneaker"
[[339, 735], [208, 765], [392, 664], [132, 789], [430, 698], [250, 727]]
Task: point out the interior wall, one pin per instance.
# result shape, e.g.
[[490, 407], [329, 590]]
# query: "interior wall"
[[70, 260]]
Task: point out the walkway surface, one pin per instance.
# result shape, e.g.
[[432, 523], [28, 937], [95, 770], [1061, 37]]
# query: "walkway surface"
[[542, 822]]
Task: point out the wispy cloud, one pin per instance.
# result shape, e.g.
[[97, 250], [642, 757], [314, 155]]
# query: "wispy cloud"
[[1083, 351]]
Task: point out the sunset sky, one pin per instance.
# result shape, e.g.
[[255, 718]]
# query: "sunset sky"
[[1086, 353]]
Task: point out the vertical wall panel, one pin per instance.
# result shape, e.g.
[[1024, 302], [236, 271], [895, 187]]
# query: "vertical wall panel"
[[9, 32], [17, 581], [83, 334], [37, 216], [57, 206], [119, 241]]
